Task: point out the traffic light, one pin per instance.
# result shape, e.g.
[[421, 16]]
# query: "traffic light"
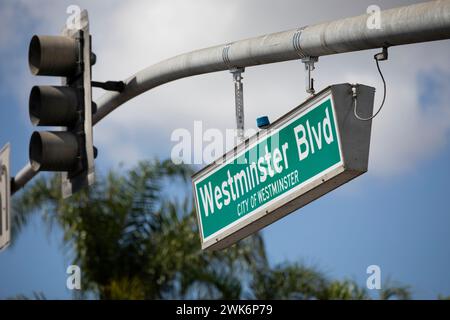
[[69, 106]]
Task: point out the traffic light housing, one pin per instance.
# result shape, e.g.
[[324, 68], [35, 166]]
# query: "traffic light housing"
[[69, 106]]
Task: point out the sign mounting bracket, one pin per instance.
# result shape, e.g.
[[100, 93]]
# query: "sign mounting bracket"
[[239, 100], [309, 67]]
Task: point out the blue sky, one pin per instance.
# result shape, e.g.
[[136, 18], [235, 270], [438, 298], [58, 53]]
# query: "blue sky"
[[396, 216]]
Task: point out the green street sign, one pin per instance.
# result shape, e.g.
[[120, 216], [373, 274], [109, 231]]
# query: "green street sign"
[[308, 152]]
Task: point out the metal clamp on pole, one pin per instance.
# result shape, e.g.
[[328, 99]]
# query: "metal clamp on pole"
[[239, 100], [238, 90], [309, 67]]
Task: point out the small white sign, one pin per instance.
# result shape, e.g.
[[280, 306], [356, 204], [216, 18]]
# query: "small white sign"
[[5, 196]]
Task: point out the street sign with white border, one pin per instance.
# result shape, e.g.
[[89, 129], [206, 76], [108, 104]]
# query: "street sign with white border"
[[308, 152]]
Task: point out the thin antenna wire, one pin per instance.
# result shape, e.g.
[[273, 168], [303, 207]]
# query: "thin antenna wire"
[[384, 96]]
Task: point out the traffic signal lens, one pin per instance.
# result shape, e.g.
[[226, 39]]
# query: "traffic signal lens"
[[53, 151], [52, 55], [53, 106]]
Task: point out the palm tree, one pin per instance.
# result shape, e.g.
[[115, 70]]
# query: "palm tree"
[[135, 236], [131, 240]]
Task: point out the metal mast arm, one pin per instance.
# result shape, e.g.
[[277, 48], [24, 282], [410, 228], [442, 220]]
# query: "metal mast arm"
[[421, 22]]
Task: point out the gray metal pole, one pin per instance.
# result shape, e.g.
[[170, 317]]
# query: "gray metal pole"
[[421, 22]]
